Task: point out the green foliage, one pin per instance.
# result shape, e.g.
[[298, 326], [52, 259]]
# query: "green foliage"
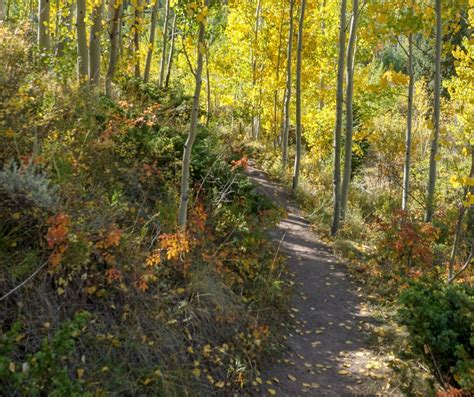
[[43, 371], [440, 319]]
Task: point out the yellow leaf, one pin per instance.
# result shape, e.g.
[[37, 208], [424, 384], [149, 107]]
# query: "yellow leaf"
[[292, 378], [259, 380], [220, 384], [190, 350], [342, 372], [60, 291], [202, 48], [197, 372], [272, 392], [11, 367], [80, 372], [437, 157], [147, 381]]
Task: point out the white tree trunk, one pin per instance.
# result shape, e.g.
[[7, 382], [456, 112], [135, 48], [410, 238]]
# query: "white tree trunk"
[[136, 36], [94, 44], [256, 106], [338, 127], [2, 10], [299, 127], [171, 53], [188, 146], [407, 164], [82, 51], [165, 44], [115, 11], [151, 42], [43, 25], [351, 50], [286, 114], [436, 116]]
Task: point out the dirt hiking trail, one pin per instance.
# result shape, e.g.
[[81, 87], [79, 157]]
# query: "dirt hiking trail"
[[326, 349]]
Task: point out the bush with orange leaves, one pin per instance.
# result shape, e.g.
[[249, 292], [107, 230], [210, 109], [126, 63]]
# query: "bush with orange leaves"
[[406, 247]]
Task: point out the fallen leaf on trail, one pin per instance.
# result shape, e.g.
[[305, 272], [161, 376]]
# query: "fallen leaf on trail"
[[292, 378], [220, 384], [272, 392], [343, 372], [197, 372]]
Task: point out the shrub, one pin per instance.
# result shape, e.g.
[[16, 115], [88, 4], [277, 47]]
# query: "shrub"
[[440, 321]]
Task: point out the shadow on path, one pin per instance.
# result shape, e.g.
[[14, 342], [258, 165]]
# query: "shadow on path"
[[326, 350]]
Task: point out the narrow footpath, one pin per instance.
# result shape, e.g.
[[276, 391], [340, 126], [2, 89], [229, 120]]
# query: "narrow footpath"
[[326, 349]]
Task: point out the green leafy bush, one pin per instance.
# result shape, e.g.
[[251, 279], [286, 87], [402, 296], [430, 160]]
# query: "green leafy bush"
[[440, 321]]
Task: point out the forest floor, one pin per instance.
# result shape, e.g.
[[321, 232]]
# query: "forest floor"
[[326, 342]]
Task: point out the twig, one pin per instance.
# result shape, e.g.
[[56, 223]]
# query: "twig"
[[465, 266], [24, 282]]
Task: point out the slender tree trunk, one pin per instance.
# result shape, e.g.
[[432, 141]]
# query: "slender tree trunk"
[[188, 146], [321, 76], [208, 90], [94, 44], [136, 37], [256, 110], [116, 10], [436, 116], [82, 51], [351, 50], [2, 10], [276, 122], [299, 127], [151, 42], [44, 41], [338, 126], [411, 89], [165, 44], [286, 114], [171, 53]]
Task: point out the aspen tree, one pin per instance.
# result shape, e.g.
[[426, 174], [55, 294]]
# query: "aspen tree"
[[436, 117], [351, 51], [94, 43], [151, 41], [115, 11], [171, 52], [165, 44], [82, 51], [338, 126], [255, 117], [44, 41], [136, 35], [408, 139], [2, 10], [296, 171], [188, 146], [286, 114]]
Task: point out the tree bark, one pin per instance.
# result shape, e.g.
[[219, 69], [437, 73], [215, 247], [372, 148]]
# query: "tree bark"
[[2, 10], [44, 41], [351, 51], [338, 126], [82, 51], [188, 146], [171, 53], [436, 116], [276, 121], [151, 42], [299, 127], [136, 37], [208, 90], [286, 114], [94, 44], [407, 164], [165, 44], [256, 110], [116, 10]]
